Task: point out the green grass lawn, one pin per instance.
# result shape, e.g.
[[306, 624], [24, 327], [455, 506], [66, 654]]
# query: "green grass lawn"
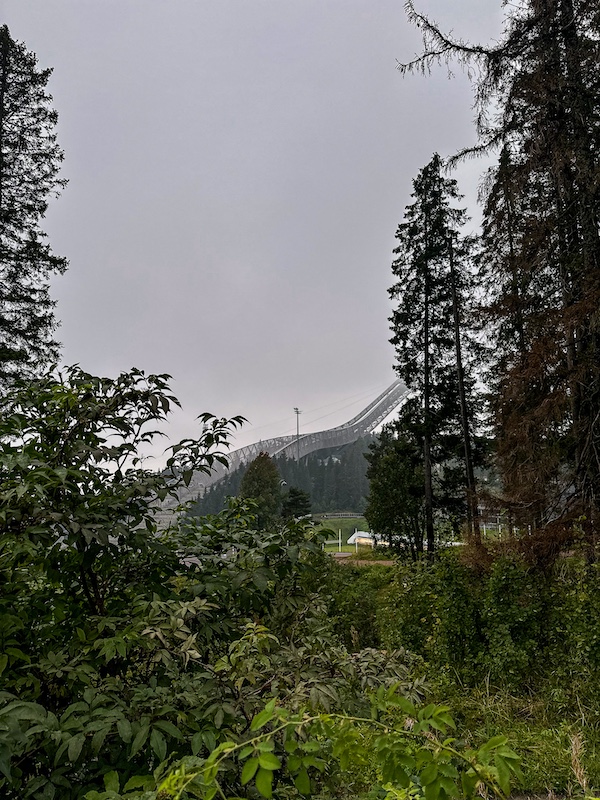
[[346, 548], [347, 525]]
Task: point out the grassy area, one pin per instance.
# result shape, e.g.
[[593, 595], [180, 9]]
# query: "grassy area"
[[347, 525], [361, 551]]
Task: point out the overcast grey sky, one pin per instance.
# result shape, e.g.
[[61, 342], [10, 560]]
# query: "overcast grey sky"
[[237, 170]]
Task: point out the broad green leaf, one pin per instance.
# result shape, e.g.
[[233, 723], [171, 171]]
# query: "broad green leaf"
[[261, 719], [429, 773], [432, 790], [469, 783], [169, 728], [311, 747], [158, 743], [449, 786], [508, 754], [16, 653], [448, 720], [503, 774], [401, 778], [124, 728], [407, 761], [264, 782], [294, 762], [74, 747], [3, 662], [140, 740], [423, 755], [302, 782], [266, 746], [405, 705], [197, 742], [495, 741], [249, 770], [209, 740], [98, 739], [5, 754], [313, 761], [111, 781], [269, 761], [139, 782]]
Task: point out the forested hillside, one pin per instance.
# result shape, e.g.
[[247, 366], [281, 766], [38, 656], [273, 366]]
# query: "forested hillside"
[[335, 480]]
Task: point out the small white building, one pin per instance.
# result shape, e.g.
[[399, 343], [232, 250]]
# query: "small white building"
[[362, 537]]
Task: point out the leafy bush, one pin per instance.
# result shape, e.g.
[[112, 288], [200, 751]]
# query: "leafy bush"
[[479, 626], [354, 600], [125, 648], [404, 745]]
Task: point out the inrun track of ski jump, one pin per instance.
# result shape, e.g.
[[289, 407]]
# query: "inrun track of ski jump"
[[364, 423]]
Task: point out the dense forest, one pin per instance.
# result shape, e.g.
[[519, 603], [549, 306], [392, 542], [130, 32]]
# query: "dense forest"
[[226, 655], [335, 480]]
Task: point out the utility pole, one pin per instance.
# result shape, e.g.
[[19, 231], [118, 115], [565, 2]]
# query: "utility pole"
[[297, 412]]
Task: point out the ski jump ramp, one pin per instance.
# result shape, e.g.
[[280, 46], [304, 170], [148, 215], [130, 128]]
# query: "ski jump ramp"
[[361, 425]]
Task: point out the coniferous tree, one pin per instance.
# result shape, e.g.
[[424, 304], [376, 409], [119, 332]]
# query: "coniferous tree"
[[537, 98], [396, 487], [347, 484], [430, 266], [29, 164], [296, 504], [529, 362], [261, 482]]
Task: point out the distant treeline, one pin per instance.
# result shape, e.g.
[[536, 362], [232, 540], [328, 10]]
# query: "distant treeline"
[[335, 479]]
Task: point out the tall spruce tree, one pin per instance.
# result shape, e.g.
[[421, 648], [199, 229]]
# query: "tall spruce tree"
[[430, 265], [396, 487], [537, 98], [261, 482], [30, 160], [296, 504]]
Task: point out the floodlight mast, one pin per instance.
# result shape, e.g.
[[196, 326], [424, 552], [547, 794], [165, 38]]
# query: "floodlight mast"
[[297, 413]]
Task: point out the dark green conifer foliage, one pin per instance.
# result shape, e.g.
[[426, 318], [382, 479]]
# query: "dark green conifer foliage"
[[537, 98], [548, 399], [431, 270], [396, 490], [262, 483], [334, 481], [30, 159], [296, 504]]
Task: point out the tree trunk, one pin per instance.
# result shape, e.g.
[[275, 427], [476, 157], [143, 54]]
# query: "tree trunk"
[[427, 427], [4, 45], [472, 505]]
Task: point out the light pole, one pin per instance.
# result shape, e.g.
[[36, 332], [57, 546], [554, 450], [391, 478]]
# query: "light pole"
[[297, 412]]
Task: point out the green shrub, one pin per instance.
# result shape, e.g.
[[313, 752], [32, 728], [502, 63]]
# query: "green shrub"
[[354, 600], [474, 625], [407, 614], [125, 648]]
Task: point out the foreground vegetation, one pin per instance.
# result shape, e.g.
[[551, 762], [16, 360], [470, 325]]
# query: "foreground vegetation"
[[198, 661], [214, 659], [512, 648]]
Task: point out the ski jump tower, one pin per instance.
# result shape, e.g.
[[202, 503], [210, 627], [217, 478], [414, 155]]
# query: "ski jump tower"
[[293, 447]]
